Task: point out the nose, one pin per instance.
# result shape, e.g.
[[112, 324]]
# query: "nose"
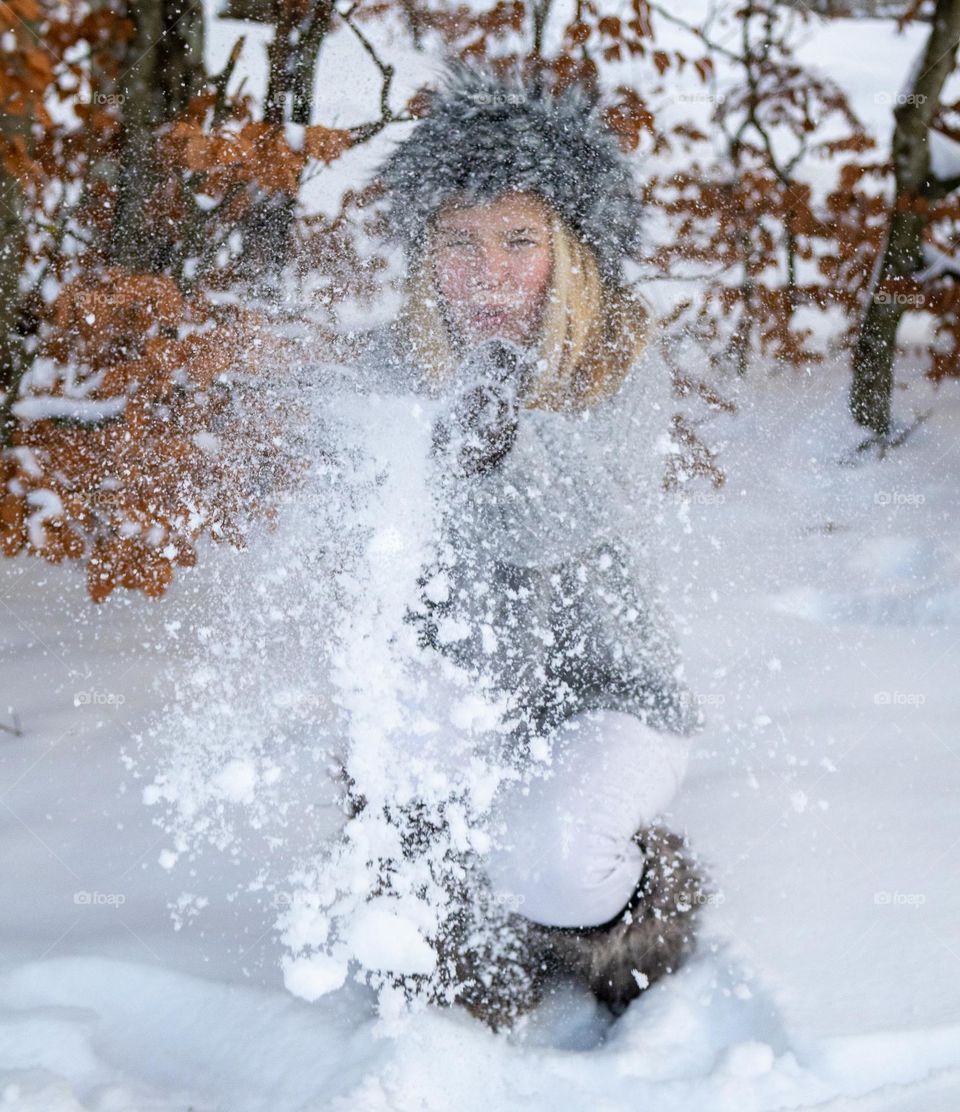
[[493, 268]]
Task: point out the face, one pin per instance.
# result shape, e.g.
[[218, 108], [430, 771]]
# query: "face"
[[492, 265]]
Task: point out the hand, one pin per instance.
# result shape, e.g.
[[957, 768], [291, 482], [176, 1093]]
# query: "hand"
[[480, 430], [482, 425]]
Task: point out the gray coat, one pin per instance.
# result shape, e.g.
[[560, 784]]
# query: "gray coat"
[[544, 585]]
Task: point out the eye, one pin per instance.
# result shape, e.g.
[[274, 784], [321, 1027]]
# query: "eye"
[[522, 241]]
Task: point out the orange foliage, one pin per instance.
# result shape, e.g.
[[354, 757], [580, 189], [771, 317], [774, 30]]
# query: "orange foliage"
[[132, 490], [134, 436], [326, 143]]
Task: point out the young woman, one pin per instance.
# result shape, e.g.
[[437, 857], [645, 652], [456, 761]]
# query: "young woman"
[[516, 210]]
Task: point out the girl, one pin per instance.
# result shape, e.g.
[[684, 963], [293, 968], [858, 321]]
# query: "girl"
[[516, 210]]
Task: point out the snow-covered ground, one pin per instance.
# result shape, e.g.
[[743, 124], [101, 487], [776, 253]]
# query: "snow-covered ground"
[[820, 622]]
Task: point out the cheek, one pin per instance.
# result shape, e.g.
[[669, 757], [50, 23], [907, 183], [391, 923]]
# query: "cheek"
[[533, 276], [453, 278]]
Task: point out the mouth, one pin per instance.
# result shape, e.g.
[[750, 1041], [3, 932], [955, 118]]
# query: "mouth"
[[490, 315]]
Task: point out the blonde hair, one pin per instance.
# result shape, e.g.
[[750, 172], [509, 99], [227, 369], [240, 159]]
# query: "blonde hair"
[[591, 331]]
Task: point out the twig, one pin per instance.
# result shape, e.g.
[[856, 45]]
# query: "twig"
[[881, 443], [363, 132], [15, 729]]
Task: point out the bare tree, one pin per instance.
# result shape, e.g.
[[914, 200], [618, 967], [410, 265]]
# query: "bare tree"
[[12, 232], [902, 255], [161, 70], [300, 31]]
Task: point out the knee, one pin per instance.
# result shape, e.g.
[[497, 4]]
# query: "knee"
[[564, 852], [565, 873]]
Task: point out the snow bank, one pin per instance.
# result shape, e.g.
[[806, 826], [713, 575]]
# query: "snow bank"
[[86, 1033]]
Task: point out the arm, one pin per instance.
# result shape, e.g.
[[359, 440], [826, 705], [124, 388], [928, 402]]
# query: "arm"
[[617, 647], [571, 504], [569, 481]]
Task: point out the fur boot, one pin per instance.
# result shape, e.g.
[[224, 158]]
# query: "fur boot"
[[653, 935], [502, 964], [490, 960], [496, 962]]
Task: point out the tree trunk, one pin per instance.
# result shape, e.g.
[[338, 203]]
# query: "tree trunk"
[[11, 263], [14, 127], [297, 39], [163, 70], [293, 53], [872, 387]]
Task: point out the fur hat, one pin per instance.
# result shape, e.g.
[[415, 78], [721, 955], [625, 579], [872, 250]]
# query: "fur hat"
[[485, 135]]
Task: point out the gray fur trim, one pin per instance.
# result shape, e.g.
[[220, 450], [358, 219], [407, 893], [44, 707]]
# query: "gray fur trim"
[[487, 135], [502, 964], [490, 960], [653, 936], [497, 963]]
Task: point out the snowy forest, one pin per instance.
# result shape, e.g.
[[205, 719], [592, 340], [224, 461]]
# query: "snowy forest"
[[479, 547]]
